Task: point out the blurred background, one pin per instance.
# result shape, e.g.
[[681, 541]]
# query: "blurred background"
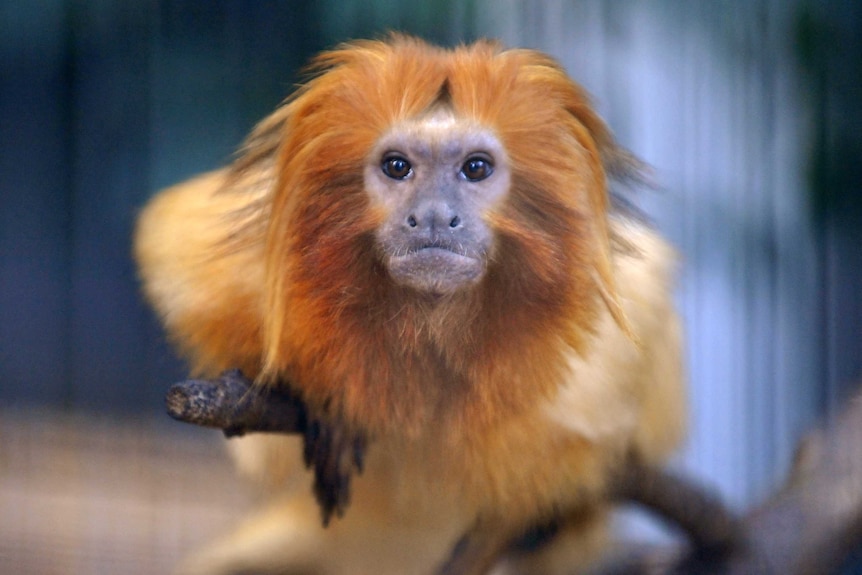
[[750, 112]]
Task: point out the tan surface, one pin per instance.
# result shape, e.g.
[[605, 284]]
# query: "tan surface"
[[98, 495]]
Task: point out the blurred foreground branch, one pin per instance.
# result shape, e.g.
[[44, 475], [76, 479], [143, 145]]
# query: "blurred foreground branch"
[[810, 527]]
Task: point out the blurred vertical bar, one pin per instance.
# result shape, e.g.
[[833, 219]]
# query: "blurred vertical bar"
[[35, 204], [110, 171]]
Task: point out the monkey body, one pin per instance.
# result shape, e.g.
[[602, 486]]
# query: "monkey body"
[[420, 241]]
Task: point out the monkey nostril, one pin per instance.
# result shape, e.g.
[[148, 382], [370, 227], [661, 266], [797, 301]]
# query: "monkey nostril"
[[411, 221], [456, 221]]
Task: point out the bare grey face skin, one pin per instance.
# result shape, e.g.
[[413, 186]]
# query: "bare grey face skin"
[[435, 177]]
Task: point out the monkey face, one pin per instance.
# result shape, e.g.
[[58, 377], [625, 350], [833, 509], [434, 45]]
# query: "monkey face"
[[435, 179]]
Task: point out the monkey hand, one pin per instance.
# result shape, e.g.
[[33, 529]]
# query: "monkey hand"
[[334, 452]]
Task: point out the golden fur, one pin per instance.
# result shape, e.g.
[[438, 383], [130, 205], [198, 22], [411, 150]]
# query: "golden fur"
[[509, 401]]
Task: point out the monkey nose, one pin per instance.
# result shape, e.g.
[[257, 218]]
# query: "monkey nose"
[[413, 222], [437, 217]]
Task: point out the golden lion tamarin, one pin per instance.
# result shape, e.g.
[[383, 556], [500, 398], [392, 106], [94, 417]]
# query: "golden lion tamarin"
[[420, 241]]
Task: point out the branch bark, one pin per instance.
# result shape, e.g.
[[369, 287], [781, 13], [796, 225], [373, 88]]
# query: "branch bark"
[[233, 404]]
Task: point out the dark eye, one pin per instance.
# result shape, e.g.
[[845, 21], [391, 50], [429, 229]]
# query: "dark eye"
[[475, 169], [396, 167]]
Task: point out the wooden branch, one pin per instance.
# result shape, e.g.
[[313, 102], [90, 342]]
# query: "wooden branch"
[[233, 404]]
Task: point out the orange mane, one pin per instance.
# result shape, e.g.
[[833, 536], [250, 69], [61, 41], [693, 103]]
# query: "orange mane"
[[386, 356]]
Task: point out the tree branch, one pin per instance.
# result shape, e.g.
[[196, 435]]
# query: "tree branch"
[[233, 404]]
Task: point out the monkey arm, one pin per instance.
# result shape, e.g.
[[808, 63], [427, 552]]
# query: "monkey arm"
[[233, 404]]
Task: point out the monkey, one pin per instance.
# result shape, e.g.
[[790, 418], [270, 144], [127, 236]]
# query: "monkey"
[[421, 241]]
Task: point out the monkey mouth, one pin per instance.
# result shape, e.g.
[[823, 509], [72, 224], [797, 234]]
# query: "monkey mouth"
[[435, 267], [437, 245]]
